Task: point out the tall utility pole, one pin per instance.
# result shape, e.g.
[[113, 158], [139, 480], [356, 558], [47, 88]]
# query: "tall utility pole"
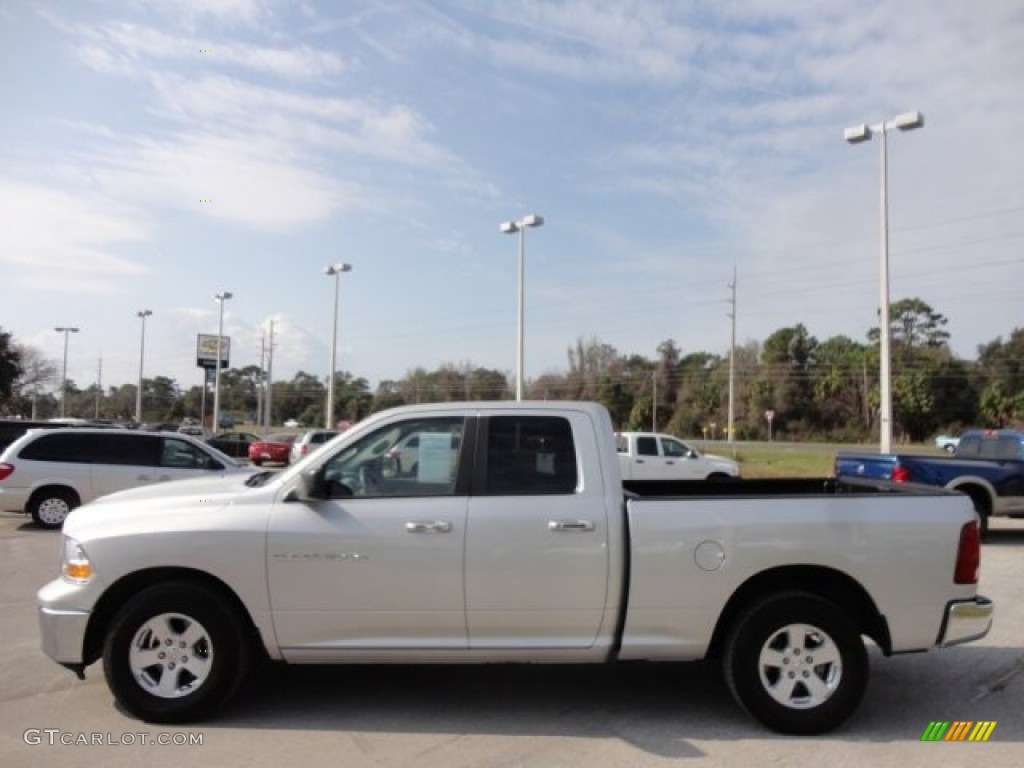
[[220, 298], [268, 400], [142, 315], [64, 376], [730, 430], [654, 401], [99, 388], [333, 270], [512, 227], [855, 135], [260, 382]]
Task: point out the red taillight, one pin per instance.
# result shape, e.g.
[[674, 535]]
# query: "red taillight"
[[900, 474], [6, 470], [968, 555]]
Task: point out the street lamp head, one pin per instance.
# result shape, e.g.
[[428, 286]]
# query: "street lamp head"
[[511, 227], [908, 121], [144, 313], [66, 330], [337, 269], [857, 134], [222, 297]]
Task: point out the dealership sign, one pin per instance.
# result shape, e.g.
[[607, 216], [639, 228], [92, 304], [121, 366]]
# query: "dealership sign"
[[206, 350]]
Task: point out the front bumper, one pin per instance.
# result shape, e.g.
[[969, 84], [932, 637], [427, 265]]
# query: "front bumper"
[[966, 620], [63, 621], [63, 634]]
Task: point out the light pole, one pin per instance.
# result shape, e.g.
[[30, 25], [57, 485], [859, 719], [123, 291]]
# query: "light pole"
[[220, 298], [511, 227], [856, 135], [143, 314], [333, 270], [64, 375]]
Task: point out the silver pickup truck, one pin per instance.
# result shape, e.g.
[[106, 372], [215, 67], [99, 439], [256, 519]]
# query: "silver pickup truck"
[[507, 535]]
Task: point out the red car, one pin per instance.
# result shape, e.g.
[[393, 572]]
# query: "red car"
[[275, 449]]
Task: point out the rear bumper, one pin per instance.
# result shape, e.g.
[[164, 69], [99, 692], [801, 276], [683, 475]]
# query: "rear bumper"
[[966, 620]]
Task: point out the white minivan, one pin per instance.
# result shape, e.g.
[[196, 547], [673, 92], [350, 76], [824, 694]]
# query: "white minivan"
[[49, 472]]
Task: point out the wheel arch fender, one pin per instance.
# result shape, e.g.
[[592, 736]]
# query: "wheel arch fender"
[[121, 591], [974, 487], [827, 583], [49, 486]]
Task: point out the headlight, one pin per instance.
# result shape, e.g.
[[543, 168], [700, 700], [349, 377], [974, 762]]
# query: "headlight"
[[75, 565]]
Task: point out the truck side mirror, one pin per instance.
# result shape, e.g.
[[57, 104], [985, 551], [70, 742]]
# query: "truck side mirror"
[[312, 483]]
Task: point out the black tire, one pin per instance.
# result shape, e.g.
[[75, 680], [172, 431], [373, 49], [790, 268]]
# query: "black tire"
[[774, 641], [50, 507], [257, 462], [950, 449], [982, 505], [175, 653]]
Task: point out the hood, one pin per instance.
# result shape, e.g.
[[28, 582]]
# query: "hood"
[[722, 462], [178, 499], [218, 483]]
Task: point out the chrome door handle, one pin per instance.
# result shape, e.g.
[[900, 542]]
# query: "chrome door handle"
[[437, 526], [639, 461], [144, 478], [670, 462], [574, 526]]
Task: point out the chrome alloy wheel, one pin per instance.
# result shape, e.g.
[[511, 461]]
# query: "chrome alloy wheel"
[[800, 666], [171, 655]]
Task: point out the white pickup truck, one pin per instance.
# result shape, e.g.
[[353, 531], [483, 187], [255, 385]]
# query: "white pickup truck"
[[514, 540], [654, 456]]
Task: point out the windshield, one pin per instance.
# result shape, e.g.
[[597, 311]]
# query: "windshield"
[[222, 457]]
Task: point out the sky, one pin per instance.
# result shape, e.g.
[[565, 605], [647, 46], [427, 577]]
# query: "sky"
[[154, 153]]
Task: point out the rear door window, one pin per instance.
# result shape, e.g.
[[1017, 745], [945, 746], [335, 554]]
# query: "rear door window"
[[646, 446], [968, 445], [529, 455], [124, 449], [60, 446]]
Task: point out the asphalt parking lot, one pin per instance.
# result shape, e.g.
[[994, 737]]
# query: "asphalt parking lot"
[[624, 715]]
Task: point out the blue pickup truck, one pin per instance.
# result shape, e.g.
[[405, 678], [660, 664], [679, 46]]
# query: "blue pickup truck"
[[988, 465]]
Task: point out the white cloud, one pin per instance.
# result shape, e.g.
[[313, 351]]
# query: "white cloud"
[[246, 13], [232, 178], [391, 132], [124, 47], [65, 241]]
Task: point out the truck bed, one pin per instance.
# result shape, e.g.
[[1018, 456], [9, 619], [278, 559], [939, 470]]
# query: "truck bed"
[[783, 486]]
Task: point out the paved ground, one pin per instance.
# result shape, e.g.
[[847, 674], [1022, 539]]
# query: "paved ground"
[[628, 715]]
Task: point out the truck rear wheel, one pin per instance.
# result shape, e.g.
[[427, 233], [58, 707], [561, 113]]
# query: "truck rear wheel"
[[175, 653], [797, 663]]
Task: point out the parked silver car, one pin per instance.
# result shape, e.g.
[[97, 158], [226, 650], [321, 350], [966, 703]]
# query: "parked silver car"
[[48, 472], [310, 440]]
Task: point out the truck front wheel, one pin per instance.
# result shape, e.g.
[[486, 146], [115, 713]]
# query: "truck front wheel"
[[175, 653], [797, 663]]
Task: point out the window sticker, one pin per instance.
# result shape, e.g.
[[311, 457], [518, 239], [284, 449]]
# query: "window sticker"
[[436, 460]]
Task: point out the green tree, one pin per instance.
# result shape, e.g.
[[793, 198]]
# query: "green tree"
[[10, 367]]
